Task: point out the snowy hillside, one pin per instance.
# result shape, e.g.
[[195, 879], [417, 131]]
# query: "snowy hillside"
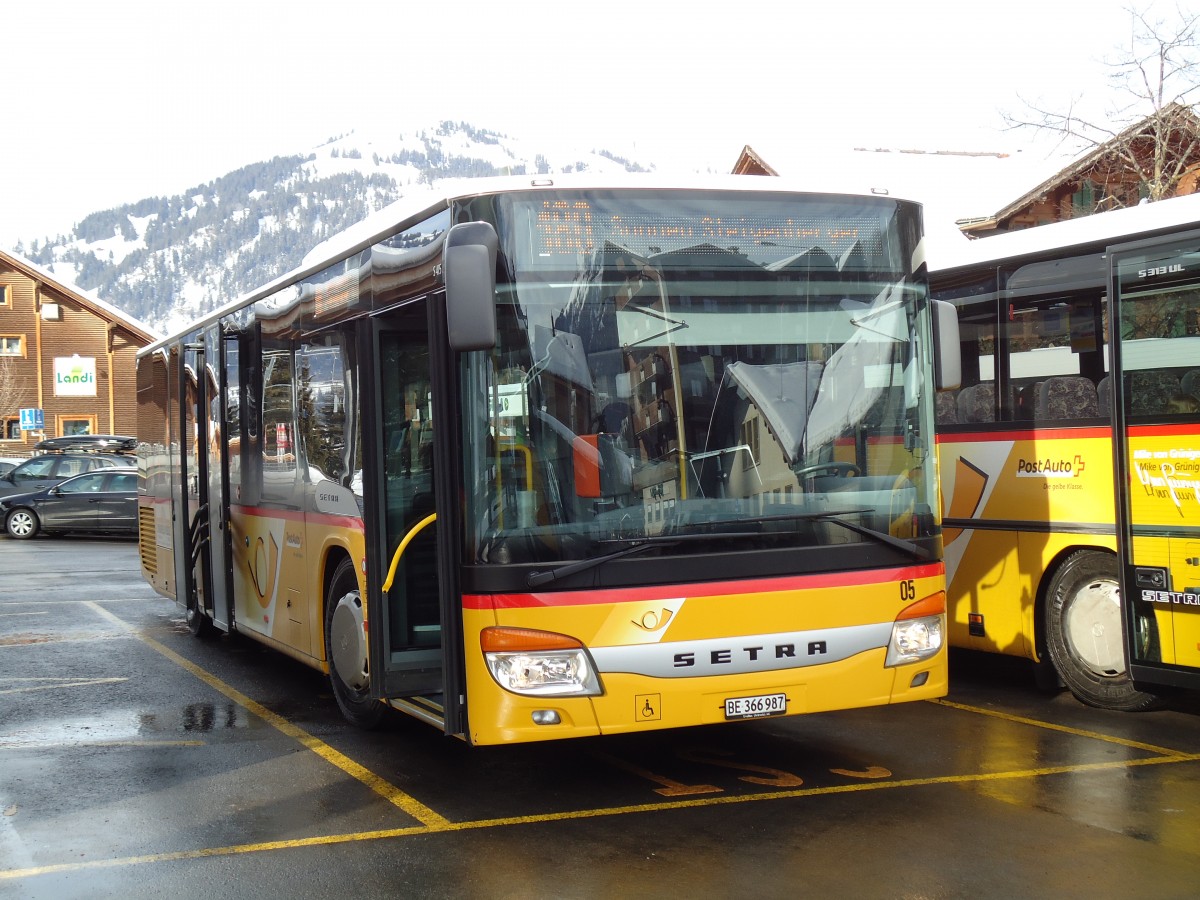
[[167, 260]]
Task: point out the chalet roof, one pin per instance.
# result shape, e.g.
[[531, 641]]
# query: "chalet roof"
[[1077, 169], [87, 299], [955, 187]]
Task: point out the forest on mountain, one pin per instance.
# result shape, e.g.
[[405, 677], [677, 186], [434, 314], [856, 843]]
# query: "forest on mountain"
[[166, 260]]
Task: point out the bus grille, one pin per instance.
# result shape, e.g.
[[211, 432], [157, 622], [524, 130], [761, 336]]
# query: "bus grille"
[[147, 544]]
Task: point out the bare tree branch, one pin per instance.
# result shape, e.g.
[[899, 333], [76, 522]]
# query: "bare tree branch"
[[1158, 74]]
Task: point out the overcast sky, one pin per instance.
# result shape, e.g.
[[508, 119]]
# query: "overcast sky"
[[110, 102]]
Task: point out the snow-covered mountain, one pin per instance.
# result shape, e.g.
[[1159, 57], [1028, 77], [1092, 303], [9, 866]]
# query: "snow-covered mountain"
[[168, 260]]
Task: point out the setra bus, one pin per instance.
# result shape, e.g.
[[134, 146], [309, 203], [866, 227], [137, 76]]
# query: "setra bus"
[[550, 458], [1071, 333]]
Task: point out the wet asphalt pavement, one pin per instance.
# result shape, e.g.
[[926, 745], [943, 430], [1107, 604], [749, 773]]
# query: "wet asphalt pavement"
[[137, 761]]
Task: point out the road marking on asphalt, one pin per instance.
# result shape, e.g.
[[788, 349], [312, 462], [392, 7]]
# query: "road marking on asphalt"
[[433, 823], [1065, 729], [477, 824], [8, 615], [45, 745], [419, 811], [54, 684]]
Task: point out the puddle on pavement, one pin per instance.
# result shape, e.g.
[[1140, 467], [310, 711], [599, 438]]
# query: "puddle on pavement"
[[131, 727]]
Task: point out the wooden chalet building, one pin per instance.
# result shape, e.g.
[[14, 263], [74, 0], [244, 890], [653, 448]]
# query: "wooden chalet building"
[[1107, 177], [66, 354]]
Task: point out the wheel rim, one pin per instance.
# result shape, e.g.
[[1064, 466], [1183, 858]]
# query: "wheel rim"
[[20, 524], [1092, 625], [348, 642]]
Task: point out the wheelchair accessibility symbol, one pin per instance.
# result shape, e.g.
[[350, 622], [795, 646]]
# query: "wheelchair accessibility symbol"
[[647, 707]]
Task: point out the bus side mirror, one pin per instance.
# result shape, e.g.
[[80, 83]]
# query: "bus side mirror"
[[469, 266], [947, 362]]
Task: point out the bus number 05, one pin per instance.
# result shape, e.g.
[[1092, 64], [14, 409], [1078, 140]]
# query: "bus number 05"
[[908, 590]]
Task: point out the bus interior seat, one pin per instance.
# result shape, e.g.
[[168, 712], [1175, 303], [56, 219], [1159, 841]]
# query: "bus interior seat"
[[1190, 383], [1104, 395], [1067, 397], [1026, 400], [1150, 392], [947, 408], [977, 403]]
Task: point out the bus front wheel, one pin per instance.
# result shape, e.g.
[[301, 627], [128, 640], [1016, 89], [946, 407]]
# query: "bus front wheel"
[[346, 649], [1085, 633]]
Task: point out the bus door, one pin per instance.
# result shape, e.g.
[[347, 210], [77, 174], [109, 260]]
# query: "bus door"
[[1155, 320], [204, 569], [403, 605], [220, 391]]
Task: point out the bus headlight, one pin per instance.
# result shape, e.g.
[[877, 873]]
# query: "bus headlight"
[[539, 663], [919, 631]]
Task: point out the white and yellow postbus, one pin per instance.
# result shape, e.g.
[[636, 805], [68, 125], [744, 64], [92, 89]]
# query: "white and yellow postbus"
[[550, 458], [1071, 333]]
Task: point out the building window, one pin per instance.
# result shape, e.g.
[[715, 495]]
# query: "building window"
[[12, 429], [72, 425], [3, 295], [12, 345]]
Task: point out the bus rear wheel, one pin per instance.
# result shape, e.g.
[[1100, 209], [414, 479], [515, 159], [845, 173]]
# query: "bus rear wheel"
[[346, 650], [1085, 633]]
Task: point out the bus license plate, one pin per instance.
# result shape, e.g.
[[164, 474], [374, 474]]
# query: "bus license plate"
[[754, 707]]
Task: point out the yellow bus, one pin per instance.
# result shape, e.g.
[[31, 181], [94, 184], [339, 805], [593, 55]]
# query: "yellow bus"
[[1048, 521], [550, 457]]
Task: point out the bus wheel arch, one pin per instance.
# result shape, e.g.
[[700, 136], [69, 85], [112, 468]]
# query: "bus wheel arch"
[[346, 647], [1083, 630]]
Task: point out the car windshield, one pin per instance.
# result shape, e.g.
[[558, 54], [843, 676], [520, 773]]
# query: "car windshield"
[[747, 368]]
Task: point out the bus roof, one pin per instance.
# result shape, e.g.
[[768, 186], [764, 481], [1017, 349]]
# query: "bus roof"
[[1097, 231], [420, 206]]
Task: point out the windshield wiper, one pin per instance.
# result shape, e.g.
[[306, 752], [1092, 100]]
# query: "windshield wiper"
[[536, 579], [917, 552], [835, 516], [637, 545]]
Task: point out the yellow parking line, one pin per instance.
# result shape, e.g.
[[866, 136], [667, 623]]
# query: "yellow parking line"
[[1065, 729], [446, 826], [385, 789]]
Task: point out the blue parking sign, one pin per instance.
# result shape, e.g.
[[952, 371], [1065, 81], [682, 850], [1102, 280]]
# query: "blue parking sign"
[[32, 420]]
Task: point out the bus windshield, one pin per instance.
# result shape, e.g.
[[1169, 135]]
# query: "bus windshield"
[[677, 370]]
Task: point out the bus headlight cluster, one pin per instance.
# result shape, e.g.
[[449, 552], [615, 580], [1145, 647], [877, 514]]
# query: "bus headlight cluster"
[[539, 663], [919, 631]]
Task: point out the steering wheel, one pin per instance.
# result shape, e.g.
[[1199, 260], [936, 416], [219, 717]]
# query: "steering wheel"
[[840, 469]]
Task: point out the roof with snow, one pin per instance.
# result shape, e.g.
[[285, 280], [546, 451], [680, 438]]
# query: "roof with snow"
[[954, 187], [85, 298]]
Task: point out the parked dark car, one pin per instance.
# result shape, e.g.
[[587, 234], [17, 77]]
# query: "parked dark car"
[[68, 456], [101, 502]]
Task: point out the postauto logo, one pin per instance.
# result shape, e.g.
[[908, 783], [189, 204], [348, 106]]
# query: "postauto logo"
[[1049, 467]]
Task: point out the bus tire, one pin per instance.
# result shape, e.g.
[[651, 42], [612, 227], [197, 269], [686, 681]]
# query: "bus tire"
[[1084, 633], [346, 649], [198, 622]]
